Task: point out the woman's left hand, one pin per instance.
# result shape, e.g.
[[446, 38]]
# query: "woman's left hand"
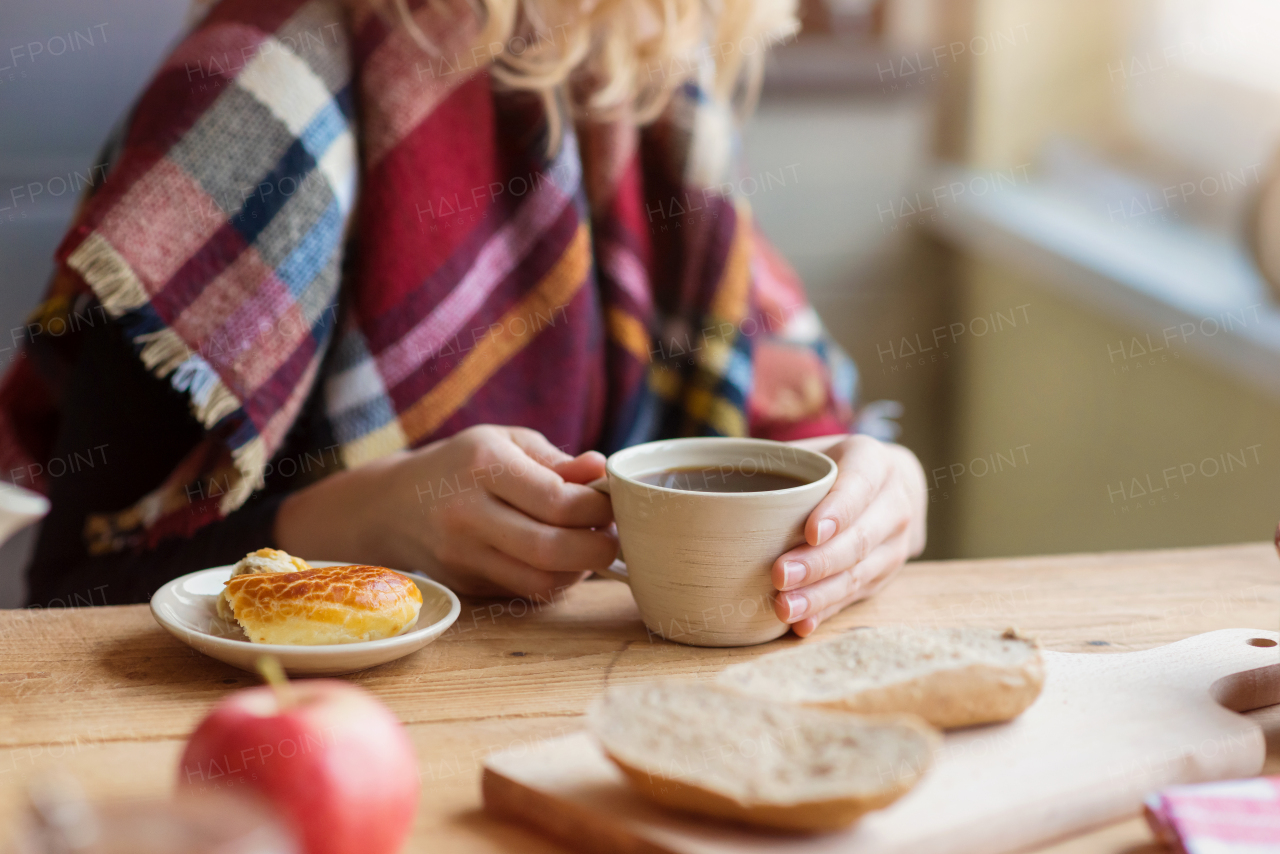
[[858, 537]]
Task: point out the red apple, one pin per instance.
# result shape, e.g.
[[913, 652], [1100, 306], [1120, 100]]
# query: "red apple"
[[334, 761]]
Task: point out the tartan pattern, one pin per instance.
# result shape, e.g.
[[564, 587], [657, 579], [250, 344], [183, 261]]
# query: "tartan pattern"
[[476, 279], [385, 367], [221, 253]]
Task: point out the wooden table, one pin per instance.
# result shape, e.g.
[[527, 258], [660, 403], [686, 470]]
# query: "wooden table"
[[106, 694]]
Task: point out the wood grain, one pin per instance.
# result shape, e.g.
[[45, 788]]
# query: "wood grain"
[[106, 693]]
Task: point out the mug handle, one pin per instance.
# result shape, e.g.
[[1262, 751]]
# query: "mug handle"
[[617, 570]]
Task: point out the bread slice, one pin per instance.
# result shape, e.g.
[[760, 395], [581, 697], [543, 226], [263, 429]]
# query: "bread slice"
[[705, 750], [951, 677]]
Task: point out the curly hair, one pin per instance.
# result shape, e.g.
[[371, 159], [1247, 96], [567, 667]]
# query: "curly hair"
[[596, 58]]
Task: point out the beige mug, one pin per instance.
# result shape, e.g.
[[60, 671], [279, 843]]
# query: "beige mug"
[[699, 563]]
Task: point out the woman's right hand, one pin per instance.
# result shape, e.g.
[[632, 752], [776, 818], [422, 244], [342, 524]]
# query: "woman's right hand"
[[488, 511]]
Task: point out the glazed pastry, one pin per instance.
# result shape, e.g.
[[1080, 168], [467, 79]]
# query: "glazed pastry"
[[263, 560], [339, 604]]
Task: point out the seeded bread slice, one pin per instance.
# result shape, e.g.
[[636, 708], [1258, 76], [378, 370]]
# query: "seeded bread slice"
[[950, 677], [704, 750]]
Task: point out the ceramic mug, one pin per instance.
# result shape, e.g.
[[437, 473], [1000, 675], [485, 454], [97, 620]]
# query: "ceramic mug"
[[699, 563]]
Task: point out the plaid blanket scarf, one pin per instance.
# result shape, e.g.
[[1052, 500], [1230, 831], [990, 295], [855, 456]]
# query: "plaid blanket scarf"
[[305, 195]]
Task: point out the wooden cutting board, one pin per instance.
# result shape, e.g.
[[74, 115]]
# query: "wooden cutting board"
[[1107, 729]]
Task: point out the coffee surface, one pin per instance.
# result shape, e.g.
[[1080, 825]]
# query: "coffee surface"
[[721, 479]]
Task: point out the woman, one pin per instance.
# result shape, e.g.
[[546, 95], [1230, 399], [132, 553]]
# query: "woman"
[[337, 243]]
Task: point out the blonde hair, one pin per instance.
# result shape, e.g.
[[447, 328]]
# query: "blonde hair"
[[598, 59]]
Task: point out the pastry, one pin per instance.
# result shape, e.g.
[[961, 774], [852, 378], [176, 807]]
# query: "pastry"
[[340, 604], [263, 560]]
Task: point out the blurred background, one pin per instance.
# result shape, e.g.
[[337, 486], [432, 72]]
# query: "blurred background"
[[1040, 225]]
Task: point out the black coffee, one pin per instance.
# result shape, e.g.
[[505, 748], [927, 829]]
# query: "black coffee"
[[721, 479]]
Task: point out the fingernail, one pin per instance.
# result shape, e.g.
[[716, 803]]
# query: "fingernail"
[[826, 528], [792, 573], [797, 604]]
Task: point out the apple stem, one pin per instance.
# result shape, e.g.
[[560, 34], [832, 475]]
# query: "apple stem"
[[269, 667]]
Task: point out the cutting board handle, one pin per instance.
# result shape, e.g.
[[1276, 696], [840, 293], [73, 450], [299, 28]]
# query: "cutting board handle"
[[1250, 689]]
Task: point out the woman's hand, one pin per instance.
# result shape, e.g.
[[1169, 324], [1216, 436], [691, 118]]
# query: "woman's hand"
[[488, 511], [858, 537]]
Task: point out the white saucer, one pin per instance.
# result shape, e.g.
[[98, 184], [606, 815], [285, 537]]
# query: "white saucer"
[[187, 608]]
